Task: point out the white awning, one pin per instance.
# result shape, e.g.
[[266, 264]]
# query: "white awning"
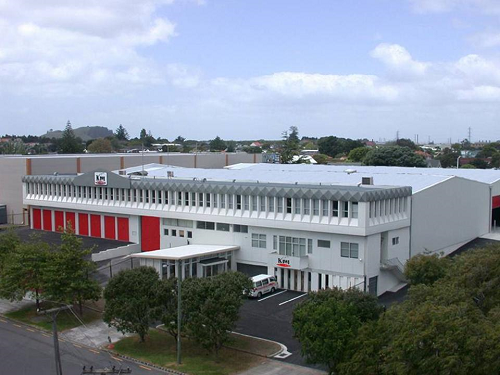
[[185, 252]]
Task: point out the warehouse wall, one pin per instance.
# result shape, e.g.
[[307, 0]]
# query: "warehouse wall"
[[449, 213], [11, 193]]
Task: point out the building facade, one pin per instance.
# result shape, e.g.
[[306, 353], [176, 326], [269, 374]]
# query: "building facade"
[[310, 235]]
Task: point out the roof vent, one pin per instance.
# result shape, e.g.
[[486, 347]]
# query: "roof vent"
[[170, 174], [350, 171], [366, 180], [122, 172]]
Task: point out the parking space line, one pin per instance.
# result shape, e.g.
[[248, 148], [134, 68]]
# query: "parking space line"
[[272, 295], [78, 346], [17, 325], [29, 329], [117, 359], [144, 367], [294, 298], [3, 321], [94, 351]]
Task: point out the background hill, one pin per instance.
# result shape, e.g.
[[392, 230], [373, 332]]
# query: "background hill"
[[85, 133]]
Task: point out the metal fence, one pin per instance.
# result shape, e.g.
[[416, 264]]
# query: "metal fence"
[[107, 269]]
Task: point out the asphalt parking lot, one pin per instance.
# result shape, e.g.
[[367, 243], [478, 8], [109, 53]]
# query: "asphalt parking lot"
[[270, 317]]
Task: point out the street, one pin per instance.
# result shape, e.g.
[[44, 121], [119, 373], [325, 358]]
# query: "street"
[[27, 351]]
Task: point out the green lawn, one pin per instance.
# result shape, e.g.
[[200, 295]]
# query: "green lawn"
[[65, 319], [160, 349]]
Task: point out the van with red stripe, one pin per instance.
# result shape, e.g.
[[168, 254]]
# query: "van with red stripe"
[[263, 284]]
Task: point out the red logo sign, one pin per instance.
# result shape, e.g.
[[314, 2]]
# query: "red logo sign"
[[283, 262]]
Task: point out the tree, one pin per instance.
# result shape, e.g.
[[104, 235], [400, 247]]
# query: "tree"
[[180, 140], [321, 158], [13, 147], [100, 146], [448, 158], [121, 133], [479, 163], [67, 276], [131, 300], [217, 144], [394, 156], [333, 146], [167, 305], [9, 241], [143, 134], [425, 269], [69, 143], [23, 271], [290, 145], [358, 154], [146, 138], [327, 322], [404, 142], [211, 306]]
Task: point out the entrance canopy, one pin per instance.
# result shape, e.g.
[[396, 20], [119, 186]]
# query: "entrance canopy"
[[185, 252]]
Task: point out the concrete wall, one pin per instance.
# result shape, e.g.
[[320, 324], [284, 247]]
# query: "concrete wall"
[[13, 168], [11, 192], [448, 213]]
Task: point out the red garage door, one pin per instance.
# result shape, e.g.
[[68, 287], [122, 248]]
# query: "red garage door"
[[70, 220], [59, 220], [83, 224], [47, 220], [95, 225], [37, 218], [123, 229], [109, 227], [150, 233]]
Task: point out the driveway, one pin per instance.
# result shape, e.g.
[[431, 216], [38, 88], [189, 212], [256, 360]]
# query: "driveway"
[[271, 318]]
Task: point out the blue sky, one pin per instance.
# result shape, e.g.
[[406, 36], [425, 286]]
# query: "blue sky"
[[251, 69]]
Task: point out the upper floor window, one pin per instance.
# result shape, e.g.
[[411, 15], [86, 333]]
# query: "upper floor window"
[[238, 202], [349, 250], [262, 201], [270, 204], [324, 243], [296, 203], [315, 207], [354, 213], [335, 208], [324, 204], [307, 206], [288, 205], [240, 228], [259, 240], [345, 209]]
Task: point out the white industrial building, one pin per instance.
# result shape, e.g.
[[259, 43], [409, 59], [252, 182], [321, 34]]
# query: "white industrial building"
[[311, 226]]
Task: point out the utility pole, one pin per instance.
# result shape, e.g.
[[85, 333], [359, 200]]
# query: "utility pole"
[[470, 137], [397, 135], [53, 314], [179, 310]]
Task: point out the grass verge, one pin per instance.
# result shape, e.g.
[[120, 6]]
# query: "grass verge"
[[160, 349], [65, 319]]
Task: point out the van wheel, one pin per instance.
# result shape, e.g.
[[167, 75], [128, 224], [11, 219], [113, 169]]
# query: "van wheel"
[[259, 295], [273, 290]]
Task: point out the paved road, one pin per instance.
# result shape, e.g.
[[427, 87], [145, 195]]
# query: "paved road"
[[271, 318], [26, 351]]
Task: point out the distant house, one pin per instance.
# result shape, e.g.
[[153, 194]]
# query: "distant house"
[[306, 159], [309, 152], [256, 144]]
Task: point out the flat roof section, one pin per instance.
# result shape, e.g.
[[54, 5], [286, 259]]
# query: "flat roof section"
[[185, 252]]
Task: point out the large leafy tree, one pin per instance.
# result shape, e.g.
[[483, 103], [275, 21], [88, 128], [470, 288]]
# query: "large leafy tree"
[[328, 321], [69, 143], [167, 305], [426, 269], [358, 154], [66, 277], [449, 327], [217, 144], [131, 300], [100, 146], [211, 306], [23, 270], [9, 240], [394, 156], [333, 146]]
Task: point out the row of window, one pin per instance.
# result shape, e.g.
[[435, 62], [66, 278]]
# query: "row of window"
[[387, 207], [223, 227], [299, 206], [177, 233]]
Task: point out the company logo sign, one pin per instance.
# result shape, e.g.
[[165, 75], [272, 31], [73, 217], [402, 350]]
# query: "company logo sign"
[[100, 178], [283, 262]]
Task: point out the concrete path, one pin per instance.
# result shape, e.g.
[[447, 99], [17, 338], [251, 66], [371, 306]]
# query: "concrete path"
[[492, 236], [7, 306], [270, 367], [94, 334]]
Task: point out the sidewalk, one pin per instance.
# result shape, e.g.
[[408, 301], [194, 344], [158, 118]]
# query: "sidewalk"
[[7, 306], [96, 334]]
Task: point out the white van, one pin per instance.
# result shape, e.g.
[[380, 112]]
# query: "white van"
[[263, 284]]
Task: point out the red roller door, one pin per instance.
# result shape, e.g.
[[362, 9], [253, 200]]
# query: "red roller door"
[[123, 229], [95, 225], [59, 221], [495, 201], [37, 218], [150, 233], [70, 220], [109, 227], [83, 224], [47, 220]]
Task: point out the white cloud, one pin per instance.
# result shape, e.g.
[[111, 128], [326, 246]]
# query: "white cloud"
[[58, 47], [486, 40], [398, 59]]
